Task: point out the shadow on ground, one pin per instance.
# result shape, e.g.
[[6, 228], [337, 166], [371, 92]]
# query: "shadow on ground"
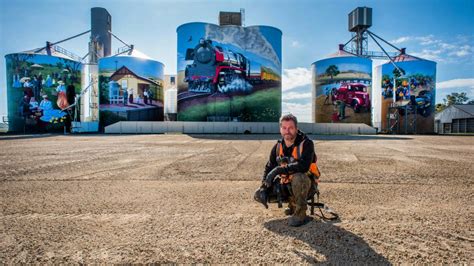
[[8, 136], [336, 244]]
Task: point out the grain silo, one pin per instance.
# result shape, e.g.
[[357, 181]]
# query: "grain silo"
[[228, 72], [342, 89], [130, 88]]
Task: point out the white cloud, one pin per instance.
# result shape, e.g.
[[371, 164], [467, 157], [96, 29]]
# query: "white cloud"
[[295, 44], [447, 46], [456, 83], [301, 111], [296, 77], [401, 40], [462, 51], [439, 50], [430, 54], [427, 40], [296, 95]]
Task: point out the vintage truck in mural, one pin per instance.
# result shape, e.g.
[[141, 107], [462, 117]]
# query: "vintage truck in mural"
[[355, 95], [420, 104]]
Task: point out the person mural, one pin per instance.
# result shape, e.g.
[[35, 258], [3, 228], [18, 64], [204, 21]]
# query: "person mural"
[[291, 167], [125, 96], [62, 100], [341, 106]]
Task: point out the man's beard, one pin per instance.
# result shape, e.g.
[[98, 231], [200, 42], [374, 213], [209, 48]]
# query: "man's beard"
[[289, 137]]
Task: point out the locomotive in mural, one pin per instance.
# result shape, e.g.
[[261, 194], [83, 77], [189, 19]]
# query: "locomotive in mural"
[[214, 67]]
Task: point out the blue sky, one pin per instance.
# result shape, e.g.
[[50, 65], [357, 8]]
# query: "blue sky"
[[442, 31]]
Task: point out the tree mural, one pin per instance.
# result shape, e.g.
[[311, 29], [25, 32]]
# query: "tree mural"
[[332, 71]]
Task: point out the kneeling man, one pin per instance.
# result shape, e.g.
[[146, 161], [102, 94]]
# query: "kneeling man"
[[292, 167]]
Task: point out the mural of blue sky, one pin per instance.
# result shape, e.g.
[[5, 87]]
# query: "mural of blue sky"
[[142, 67], [345, 64], [412, 67]]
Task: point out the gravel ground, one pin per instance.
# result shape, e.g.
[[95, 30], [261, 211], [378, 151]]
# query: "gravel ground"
[[188, 199]]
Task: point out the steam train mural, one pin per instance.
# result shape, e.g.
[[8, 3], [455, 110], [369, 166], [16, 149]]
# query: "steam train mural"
[[214, 68], [229, 73]]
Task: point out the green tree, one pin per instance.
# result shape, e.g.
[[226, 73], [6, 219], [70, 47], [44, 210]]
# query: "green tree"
[[453, 98], [398, 73], [440, 107], [60, 65]]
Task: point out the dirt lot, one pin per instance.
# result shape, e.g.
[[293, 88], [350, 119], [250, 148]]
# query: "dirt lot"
[[185, 199]]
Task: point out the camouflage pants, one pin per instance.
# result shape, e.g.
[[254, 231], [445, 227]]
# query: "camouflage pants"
[[300, 185]]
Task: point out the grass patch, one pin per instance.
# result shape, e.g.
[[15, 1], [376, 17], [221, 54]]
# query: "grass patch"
[[260, 106]]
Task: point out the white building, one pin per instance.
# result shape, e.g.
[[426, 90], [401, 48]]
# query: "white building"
[[458, 118]]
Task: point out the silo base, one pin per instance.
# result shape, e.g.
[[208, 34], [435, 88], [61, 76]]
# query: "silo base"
[[151, 127], [85, 127]]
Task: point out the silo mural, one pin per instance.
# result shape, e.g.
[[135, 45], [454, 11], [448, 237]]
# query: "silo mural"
[[130, 88], [342, 89], [40, 88], [408, 98], [229, 73]]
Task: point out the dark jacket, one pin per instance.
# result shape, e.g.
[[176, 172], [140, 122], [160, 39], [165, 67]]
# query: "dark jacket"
[[302, 164]]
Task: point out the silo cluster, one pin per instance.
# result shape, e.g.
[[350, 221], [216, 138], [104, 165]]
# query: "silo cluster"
[[397, 99], [225, 72]]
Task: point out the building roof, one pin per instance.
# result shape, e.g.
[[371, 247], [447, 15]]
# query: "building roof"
[[468, 108], [456, 111], [125, 71]]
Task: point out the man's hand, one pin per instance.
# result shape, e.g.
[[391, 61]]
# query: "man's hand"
[[273, 173]]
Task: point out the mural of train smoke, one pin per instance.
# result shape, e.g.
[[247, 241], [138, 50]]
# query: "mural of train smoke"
[[240, 37], [237, 85]]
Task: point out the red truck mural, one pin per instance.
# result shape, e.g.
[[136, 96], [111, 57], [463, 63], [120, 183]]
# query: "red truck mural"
[[355, 95]]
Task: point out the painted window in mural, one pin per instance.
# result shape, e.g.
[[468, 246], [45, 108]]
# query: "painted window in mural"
[[229, 73]]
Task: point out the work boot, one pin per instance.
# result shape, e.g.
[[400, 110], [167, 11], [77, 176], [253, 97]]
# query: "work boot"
[[289, 211], [296, 221]]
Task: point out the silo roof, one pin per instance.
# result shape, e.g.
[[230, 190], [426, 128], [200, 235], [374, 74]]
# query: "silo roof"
[[135, 53], [407, 58], [54, 52], [340, 53]]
